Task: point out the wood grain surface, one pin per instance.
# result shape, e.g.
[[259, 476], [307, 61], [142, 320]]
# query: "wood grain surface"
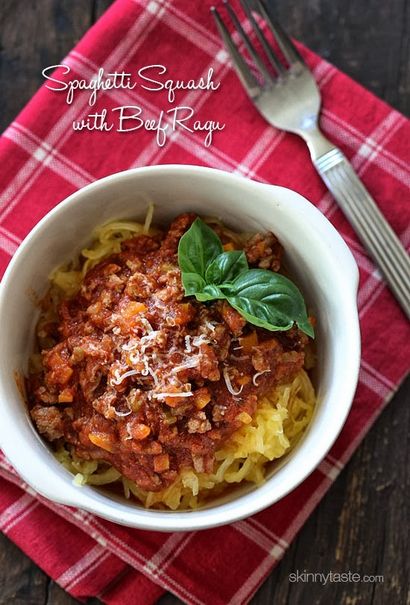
[[362, 523]]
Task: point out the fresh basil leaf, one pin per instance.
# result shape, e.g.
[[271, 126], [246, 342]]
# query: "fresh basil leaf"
[[210, 292], [192, 283], [268, 300], [226, 267], [197, 248], [306, 327]]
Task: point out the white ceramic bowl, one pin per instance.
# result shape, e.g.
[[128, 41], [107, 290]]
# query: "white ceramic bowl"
[[318, 257]]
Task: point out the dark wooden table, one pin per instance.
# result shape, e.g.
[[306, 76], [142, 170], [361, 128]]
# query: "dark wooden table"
[[361, 525]]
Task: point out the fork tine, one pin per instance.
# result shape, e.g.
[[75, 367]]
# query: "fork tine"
[[262, 39], [251, 49], [287, 47], [245, 75]]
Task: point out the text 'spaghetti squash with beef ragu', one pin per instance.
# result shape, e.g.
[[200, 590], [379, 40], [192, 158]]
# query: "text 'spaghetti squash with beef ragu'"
[[161, 366]]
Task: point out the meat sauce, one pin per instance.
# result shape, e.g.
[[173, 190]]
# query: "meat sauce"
[[148, 380]]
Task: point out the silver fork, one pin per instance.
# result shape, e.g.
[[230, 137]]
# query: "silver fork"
[[288, 98]]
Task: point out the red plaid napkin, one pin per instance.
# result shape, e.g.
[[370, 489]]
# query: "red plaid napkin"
[[43, 161]]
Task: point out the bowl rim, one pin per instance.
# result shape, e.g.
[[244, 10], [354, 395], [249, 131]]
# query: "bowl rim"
[[249, 503]]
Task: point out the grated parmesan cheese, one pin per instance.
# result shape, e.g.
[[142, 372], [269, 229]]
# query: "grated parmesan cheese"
[[162, 395], [122, 414], [254, 379], [229, 384], [118, 378], [146, 324], [210, 326], [154, 376], [197, 341], [129, 346], [191, 363]]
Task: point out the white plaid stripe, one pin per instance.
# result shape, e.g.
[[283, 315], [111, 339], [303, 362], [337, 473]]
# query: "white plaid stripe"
[[168, 551], [30, 171], [259, 152], [210, 34], [324, 72], [88, 562], [188, 29], [369, 290], [370, 148], [335, 462], [373, 283], [32, 141], [355, 137], [8, 241], [341, 132], [360, 255], [16, 512], [372, 295], [373, 383], [331, 471], [273, 547], [378, 375], [47, 158], [248, 586], [265, 530]]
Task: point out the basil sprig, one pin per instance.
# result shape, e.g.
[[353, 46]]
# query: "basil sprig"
[[264, 298]]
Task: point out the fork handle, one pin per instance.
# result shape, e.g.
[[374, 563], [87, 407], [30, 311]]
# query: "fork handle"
[[369, 223]]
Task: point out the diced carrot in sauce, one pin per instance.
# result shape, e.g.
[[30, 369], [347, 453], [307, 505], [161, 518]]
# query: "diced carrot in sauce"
[[234, 319], [201, 398], [95, 309], [269, 345], [228, 247], [184, 313], [174, 402], [66, 396], [77, 355], [61, 372], [161, 463], [134, 308], [249, 341], [242, 380], [244, 417], [102, 440], [140, 431], [64, 374]]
